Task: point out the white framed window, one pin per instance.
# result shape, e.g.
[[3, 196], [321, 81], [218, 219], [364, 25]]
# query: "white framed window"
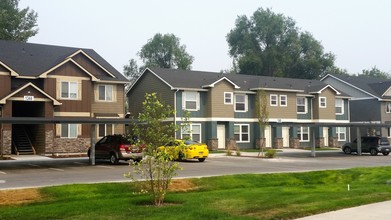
[[105, 93], [341, 133], [388, 107], [69, 130], [339, 106], [301, 103], [303, 134], [192, 131], [69, 90], [105, 129], [322, 102], [242, 133], [273, 100], [283, 100], [228, 98], [191, 100], [240, 103]]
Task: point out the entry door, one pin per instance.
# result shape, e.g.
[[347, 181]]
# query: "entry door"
[[285, 136], [326, 136], [268, 136], [221, 136]]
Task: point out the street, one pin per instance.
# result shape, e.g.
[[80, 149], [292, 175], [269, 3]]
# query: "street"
[[43, 171]]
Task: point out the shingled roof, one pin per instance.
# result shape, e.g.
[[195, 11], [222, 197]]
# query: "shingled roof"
[[31, 60], [199, 80]]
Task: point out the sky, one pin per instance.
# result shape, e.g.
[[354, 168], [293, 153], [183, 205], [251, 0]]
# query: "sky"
[[357, 32]]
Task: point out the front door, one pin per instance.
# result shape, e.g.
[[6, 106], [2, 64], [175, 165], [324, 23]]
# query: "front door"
[[285, 136], [221, 136], [326, 136]]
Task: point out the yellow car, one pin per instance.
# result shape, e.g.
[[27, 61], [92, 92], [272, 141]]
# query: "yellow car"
[[183, 150]]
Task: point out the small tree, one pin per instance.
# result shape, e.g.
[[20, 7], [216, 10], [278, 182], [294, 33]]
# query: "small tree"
[[154, 131], [262, 114]]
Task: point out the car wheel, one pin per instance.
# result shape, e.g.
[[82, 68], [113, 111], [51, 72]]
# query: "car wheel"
[[347, 150], [386, 153], [201, 159], [373, 152], [113, 158]]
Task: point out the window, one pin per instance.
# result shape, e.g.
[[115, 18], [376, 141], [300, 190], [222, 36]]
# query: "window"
[[273, 100], [105, 129], [341, 133], [388, 107], [339, 107], [283, 100], [322, 102], [69, 90], [191, 101], [242, 133], [303, 134], [240, 103], [389, 132], [228, 98], [193, 131], [301, 103], [69, 130], [105, 92]]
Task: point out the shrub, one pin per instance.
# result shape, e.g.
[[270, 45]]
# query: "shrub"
[[270, 153]]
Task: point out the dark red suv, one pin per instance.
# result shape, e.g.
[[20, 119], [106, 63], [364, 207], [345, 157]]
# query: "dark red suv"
[[118, 147]]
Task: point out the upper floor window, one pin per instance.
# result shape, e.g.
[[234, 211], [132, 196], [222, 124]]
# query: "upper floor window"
[[105, 92], [339, 107], [283, 100], [303, 134], [69, 130], [228, 97], [240, 103], [191, 101], [69, 90], [192, 131], [388, 107], [242, 133], [322, 102], [301, 103], [273, 100]]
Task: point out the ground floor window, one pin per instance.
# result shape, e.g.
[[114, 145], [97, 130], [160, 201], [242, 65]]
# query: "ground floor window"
[[303, 134], [69, 130], [341, 133], [192, 132], [242, 133], [105, 129]]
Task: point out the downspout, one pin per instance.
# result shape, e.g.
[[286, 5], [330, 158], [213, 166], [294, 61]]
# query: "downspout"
[[175, 111]]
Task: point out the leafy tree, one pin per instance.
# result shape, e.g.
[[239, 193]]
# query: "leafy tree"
[[16, 24], [262, 114], [132, 71], [165, 51], [270, 44], [158, 167], [375, 72]]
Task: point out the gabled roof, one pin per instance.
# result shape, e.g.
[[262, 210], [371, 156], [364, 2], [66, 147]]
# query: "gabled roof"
[[55, 102], [32, 60], [199, 80]]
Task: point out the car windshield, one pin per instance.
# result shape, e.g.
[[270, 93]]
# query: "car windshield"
[[384, 141], [191, 142]]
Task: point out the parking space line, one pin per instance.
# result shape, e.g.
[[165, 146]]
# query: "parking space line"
[[105, 167], [2, 181], [1, 172], [79, 163], [55, 169]]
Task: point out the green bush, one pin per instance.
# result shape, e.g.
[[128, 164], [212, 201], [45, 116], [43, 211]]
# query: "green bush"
[[270, 153]]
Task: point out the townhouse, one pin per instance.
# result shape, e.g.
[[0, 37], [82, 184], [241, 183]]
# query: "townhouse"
[[46, 81], [222, 108], [370, 100]]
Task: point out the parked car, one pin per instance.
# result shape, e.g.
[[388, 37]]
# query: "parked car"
[[183, 150], [118, 147], [372, 145]]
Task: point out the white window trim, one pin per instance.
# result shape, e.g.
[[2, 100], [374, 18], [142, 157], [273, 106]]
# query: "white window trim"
[[69, 86], [231, 98], [191, 130], [197, 100], [320, 102], [339, 132], [112, 93], [388, 110], [240, 133], [305, 106], [286, 100], [245, 103], [78, 131], [301, 134], [273, 95], [342, 107]]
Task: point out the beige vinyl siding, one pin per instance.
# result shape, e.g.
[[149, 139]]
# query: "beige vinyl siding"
[[280, 112], [328, 112], [149, 83], [116, 106], [216, 106]]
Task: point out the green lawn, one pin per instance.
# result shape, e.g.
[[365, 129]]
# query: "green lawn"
[[265, 196]]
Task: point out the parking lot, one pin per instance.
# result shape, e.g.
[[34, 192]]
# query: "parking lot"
[[38, 171]]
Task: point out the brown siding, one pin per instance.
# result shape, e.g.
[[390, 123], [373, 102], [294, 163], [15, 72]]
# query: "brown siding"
[[29, 91], [83, 105], [69, 69], [50, 87], [216, 106], [110, 107], [5, 86], [281, 112], [90, 66], [148, 83]]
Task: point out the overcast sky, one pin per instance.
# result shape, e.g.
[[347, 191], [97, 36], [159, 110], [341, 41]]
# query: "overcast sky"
[[358, 32]]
